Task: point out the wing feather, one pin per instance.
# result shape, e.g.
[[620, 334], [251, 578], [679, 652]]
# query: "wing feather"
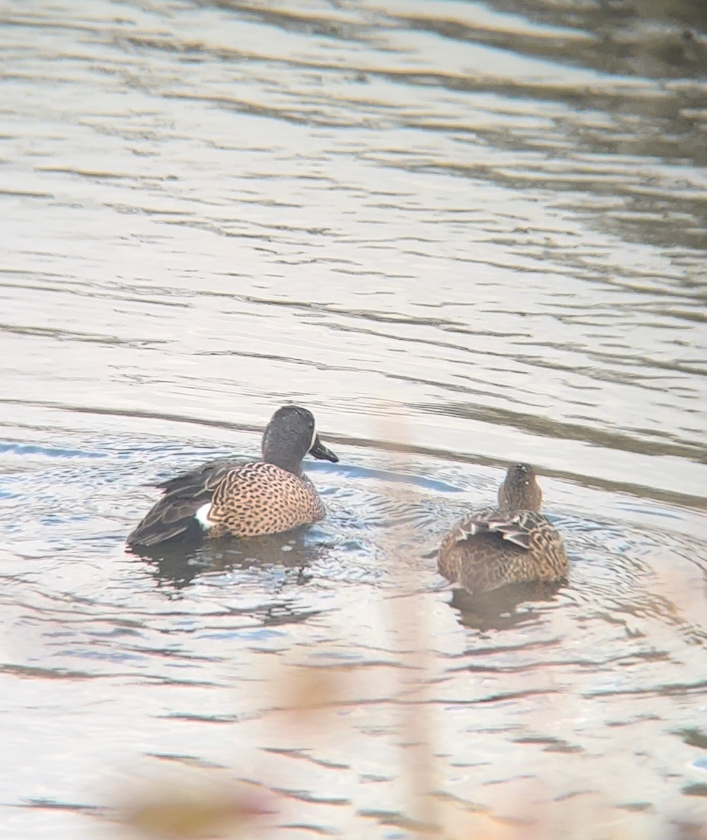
[[183, 495]]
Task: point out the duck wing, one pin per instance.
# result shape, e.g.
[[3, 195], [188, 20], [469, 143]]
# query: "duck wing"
[[174, 514], [492, 548], [518, 527]]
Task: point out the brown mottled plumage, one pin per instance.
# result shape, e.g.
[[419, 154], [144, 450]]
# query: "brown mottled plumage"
[[243, 499], [513, 543]]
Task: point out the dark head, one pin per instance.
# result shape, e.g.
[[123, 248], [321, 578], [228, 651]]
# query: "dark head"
[[520, 489], [289, 436]]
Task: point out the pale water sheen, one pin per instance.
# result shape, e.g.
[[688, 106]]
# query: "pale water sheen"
[[473, 231]]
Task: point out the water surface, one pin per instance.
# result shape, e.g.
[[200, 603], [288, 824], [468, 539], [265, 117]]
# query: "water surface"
[[461, 233]]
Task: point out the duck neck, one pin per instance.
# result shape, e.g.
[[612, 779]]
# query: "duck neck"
[[284, 460], [520, 498]]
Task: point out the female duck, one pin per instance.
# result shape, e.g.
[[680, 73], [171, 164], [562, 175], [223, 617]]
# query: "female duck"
[[513, 543], [243, 499]]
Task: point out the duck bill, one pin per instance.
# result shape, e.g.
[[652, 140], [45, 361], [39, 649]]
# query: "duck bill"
[[321, 453]]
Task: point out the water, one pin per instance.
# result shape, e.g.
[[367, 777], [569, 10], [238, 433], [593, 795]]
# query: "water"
[[460, 233]]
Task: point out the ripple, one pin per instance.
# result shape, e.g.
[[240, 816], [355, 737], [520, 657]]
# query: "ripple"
[[461, 236]]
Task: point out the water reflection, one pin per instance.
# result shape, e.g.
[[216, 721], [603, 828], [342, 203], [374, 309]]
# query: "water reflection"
[[501, 609], [621, 38], [177, 563]]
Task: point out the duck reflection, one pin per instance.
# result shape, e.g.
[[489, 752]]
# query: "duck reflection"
[[178, 564], [500, 609]]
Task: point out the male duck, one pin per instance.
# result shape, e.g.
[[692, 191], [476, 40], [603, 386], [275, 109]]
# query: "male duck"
[[513, 543], [243, 499]]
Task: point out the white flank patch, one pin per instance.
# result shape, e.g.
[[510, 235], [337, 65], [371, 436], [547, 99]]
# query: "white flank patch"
[[202, 516]]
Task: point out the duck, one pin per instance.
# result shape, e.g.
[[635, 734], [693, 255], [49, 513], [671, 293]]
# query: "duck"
[[233, 498], [511, 543]]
